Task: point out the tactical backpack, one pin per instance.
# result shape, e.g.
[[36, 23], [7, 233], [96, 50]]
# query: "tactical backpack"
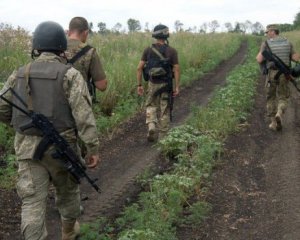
[[157, 66]]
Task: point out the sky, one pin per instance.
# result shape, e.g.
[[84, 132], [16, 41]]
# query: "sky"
[[191, 13]]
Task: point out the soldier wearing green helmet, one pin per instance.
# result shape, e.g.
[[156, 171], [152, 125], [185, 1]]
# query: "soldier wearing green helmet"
[[160, 63], [58, 91]]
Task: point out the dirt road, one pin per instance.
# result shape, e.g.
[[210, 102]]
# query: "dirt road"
[[124, 157], [256, 185]]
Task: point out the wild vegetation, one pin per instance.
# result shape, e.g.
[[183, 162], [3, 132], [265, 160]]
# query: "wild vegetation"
[[120, 55]]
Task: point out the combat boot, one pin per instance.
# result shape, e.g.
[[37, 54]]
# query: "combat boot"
[[70, 230], [278, 118], [151, 136], [273, 124]]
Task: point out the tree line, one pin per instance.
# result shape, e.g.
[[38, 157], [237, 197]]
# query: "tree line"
[[256, 28]]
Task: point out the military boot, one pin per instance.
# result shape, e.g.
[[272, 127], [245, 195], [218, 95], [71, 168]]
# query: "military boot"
[[273, 124], [278, 118], [151, 136], [70, 230]]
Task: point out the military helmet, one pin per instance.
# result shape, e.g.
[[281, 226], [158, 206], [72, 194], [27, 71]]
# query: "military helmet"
[[160, 32], [49, 36], [271, 27]]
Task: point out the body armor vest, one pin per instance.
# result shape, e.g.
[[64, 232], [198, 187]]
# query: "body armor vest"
[[281, 48], [47, 95]]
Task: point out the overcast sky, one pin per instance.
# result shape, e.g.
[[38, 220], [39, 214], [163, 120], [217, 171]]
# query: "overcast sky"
[[192, 13]]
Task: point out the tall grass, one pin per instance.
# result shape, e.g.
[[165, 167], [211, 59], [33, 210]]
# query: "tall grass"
[[293, 37], [120, 55], [14, 49]]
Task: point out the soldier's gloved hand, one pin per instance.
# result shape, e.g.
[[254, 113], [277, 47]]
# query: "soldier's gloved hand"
[[92, 161]]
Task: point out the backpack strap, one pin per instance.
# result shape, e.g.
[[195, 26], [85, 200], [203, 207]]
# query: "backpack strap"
[[157, 53], [80, 54]]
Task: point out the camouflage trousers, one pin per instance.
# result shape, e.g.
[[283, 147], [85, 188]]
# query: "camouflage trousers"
[[157, 107], [278, 93], [32, 187]]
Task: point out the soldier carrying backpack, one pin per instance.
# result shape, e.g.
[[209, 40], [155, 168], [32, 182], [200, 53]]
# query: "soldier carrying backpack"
[[159, 65]]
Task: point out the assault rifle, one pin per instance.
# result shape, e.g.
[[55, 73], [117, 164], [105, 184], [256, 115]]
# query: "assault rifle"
[[92, 90], [282, 67], [51, 136], [169, 89]]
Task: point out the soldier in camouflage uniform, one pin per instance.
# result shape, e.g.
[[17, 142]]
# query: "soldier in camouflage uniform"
[[278, 91], [158, 103], [89, 64], [59, 92]]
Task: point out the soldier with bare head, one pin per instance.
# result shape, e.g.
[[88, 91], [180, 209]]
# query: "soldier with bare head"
[[84, 57]]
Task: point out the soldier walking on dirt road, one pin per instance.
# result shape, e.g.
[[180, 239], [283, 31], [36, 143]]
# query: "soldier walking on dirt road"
[[50, 87], [277, 87], [159, 64], [84, 57]]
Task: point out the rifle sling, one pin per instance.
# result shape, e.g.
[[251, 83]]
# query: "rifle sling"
[[158, 53], [78, 55], [27, 79]]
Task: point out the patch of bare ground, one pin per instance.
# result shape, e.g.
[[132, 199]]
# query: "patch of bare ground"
[[255, 192]]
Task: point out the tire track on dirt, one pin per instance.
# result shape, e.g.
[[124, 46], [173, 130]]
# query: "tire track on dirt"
[[132, 153], [127, 154], [255, 192]]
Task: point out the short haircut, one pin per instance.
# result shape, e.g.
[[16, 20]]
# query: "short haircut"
[[79, 24]]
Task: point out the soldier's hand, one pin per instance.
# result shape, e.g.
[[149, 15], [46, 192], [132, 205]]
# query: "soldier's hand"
[[92, 161], [140, 90], [176, 92]]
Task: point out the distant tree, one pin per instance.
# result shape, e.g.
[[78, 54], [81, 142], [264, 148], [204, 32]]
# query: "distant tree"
[[297, 21], [91, 27], [133, 25], [248, 26], [178, 26], [243, 27], [258, 28], [102, 28], [213, 25], [117, 28], [237, 28], [203, 28], [286, 27], [189, 30], [229, 27], [147, 27]]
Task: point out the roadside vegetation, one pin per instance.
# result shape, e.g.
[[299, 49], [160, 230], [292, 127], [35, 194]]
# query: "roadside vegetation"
[[120, 54], [193, 149]]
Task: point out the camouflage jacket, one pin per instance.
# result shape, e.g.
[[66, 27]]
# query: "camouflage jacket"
[[80, 102], [89, 65]]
